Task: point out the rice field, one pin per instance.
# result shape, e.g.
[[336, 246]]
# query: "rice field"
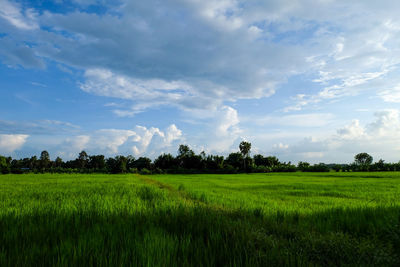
[[279, 219]]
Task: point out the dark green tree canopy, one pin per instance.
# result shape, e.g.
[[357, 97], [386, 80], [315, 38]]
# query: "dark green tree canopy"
[[185, 151], [245, 148], [235, 159], [83, 159], [44, 156], [363, 159]]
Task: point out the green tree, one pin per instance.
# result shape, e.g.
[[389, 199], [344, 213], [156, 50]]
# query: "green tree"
[[303, 166], [4, 165], [117, 164], [97, 162], [83, 159], [245, 150], [187, 159], [259, 160], [185, 151], [235, 160], [272, 161], [44, 160], [380, 165], [143, 163], [33, 163], [165, 161], [363, 160], [58, 162], [213, 162]]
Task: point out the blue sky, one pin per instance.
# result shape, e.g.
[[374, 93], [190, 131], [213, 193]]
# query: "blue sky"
[[316, 81]]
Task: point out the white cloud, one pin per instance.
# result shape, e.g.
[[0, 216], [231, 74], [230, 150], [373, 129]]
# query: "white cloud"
[[12, 12], [172, 133], [221, 14], [139, 141], [144, 93], [380, 138], [202, 56], [11, 142], [110, 140], [219, 50], [227, 121], [296, 120], [80, 142], [391, 95], [352, 131], [144, 138], [213, 54], [387, 123], [73, 145], [223, 131], [280, 146]]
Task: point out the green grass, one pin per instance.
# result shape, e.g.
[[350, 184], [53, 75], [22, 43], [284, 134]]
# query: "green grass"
[[296, 219]]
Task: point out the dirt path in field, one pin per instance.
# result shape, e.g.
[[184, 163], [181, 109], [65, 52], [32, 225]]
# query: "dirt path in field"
[[158, 184], [179, 193]]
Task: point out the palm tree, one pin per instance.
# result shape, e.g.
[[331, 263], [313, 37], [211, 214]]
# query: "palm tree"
[[245, 150]]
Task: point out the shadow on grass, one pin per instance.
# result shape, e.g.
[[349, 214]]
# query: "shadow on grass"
[[202, 236]]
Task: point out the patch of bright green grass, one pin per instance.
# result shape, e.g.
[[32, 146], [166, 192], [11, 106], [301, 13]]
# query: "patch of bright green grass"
[[280, 219]]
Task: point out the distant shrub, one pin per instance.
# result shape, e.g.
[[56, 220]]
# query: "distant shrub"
[[321, 167], [145, 171], [5, 170], [158, 171], [229, 169], [261, 169], [284, 167], [133, 170], [337, 167]]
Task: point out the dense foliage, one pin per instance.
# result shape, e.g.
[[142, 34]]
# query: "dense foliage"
[[186, 161]]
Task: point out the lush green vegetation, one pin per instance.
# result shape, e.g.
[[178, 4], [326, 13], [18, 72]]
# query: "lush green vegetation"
[[200, 220], [186, 161]]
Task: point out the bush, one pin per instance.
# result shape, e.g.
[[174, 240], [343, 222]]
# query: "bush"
[[133, 170], [145, 171]]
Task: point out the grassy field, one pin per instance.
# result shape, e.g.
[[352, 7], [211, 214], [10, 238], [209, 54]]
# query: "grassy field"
[[296, 219]]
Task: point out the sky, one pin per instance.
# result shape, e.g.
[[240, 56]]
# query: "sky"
[[303, 80]]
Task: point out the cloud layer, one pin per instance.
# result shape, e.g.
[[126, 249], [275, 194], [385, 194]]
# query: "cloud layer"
[[274, 71]]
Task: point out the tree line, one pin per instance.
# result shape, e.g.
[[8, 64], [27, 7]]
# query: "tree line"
[[186, 161]]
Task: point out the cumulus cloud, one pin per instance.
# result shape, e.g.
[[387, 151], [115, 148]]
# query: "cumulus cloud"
[[223, 131], [352, 131], [110, 140], [172, 133], [71, 146], [139, 141], [11, 142], [381, 138]]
